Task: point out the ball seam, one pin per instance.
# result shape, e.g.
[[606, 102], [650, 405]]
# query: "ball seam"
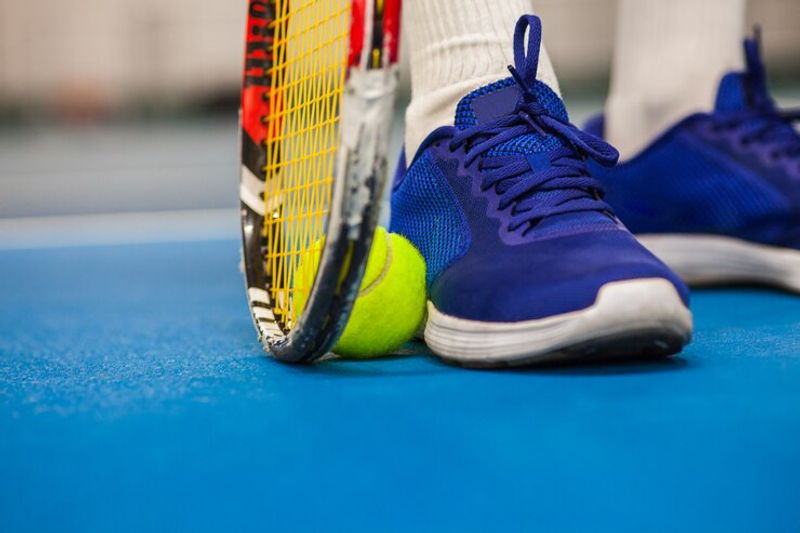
[[384, 272]]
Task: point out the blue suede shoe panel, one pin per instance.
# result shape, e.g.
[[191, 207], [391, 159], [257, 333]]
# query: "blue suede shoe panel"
[[550, 277]]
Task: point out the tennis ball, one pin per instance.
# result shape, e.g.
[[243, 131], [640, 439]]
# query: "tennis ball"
[[391, 301]]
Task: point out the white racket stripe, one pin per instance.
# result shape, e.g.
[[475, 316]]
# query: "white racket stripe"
[[261, 312], [265, 317], [250, 190], [270, 328], [261, 296], [257, 295]]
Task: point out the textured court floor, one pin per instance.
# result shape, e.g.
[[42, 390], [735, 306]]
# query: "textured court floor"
[[133, 397]]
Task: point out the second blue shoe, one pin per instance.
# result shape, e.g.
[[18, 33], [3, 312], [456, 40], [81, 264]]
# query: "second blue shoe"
[[717, 195], [526, 262]]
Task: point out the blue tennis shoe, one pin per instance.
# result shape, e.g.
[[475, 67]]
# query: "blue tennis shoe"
[[526, 262], [717, 196]]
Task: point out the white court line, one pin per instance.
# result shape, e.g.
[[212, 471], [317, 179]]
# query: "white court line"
[[119, 228]]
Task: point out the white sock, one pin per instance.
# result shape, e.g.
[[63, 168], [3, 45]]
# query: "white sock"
[[457, 46], [668, 60]]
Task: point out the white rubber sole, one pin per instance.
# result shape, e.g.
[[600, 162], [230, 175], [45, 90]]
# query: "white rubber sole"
[[713, 259], [629, 319]]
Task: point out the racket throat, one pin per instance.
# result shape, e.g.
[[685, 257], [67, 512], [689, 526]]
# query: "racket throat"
[[367, 107]]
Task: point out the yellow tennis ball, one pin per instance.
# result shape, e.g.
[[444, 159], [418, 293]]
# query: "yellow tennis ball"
[[391, 301]]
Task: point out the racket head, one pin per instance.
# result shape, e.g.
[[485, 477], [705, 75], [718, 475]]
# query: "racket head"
[[318, 88]]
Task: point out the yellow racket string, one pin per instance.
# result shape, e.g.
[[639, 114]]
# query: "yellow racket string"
[[307, 78]]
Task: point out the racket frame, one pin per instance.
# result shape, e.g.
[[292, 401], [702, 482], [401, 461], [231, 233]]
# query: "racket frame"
[[359, 180]]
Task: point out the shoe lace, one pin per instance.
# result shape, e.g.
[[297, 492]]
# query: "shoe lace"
[[561, 172], [769, 127], [762, 122]]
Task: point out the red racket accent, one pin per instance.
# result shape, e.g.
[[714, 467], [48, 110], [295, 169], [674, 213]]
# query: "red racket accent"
[[258, 60], [391, 28], [358, 15]]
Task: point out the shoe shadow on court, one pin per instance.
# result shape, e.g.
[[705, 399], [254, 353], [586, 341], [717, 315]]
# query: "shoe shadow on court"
[[609, 367], [415, 359]]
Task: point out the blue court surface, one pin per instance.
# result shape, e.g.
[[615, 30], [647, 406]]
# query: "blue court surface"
[[134, 397]]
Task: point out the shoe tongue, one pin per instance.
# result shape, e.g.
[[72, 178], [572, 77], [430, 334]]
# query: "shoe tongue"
[[732, 93], [741, 90], [501, 98]]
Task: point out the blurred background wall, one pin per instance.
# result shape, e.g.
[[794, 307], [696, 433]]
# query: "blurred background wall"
[[87, 57], [95, 55], [110, 107]]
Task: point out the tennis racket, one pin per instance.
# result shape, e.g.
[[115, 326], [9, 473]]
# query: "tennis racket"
[[319, 84]]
